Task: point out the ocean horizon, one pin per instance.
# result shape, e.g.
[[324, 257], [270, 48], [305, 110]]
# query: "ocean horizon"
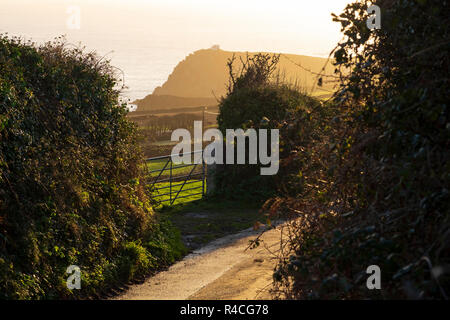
[[146, 45]]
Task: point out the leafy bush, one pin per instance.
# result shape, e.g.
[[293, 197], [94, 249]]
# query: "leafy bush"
[[70, 191], [381, 189], [257, 98]]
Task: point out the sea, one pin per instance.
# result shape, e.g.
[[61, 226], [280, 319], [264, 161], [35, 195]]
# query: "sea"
[[142, 65]]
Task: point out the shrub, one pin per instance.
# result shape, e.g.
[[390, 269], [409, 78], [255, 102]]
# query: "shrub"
[[70, 190], [257, 98], [381, 189]]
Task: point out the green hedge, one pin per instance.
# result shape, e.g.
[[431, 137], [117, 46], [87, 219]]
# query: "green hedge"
[[377, 190], [70, 192], [257, 98]]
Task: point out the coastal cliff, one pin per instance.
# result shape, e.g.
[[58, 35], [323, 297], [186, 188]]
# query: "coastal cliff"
[[201, 78]]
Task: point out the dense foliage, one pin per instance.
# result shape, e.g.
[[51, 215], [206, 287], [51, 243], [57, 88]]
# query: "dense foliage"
[[70, 192], [377, 190], [257, 98]]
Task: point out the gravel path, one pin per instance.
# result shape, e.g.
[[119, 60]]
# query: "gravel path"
[[221, 270]]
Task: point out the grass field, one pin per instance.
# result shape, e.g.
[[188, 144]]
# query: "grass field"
[[159, 165], [190, 191], [163, 143]]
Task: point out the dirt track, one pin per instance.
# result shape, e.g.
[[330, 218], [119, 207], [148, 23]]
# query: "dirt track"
[[221, 270]]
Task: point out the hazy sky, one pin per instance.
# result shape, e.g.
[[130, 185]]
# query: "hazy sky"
[[296, 26], [146, 39]]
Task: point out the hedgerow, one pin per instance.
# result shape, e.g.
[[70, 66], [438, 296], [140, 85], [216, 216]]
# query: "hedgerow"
[[71, 191], [257, 98], [376, 189]]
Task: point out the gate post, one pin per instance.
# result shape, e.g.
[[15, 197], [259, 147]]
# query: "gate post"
[[203, 174], [211, 171], [170, 181]]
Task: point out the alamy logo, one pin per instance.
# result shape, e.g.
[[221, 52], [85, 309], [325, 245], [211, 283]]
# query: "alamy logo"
[[74, 20], [374, 21], [74, 280], [235, 139], [374, 281]]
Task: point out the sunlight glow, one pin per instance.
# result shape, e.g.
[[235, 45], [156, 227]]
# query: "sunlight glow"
[[285, 25], [147, 39]]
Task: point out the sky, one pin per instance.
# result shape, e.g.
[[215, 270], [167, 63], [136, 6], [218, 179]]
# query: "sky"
[[146, 39], [291, 26]]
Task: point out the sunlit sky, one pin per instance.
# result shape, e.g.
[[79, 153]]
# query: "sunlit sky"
[[294, 26], [147, 38]]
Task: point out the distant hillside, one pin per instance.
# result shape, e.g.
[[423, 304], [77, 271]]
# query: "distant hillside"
[[203, 75], [158, 102]]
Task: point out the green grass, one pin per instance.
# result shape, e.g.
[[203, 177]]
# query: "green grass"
[[159, 165], [164, 143], [208, 219], [190, 184], [188, 190]]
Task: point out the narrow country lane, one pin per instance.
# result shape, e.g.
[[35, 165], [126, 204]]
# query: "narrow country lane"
[[223, 269]]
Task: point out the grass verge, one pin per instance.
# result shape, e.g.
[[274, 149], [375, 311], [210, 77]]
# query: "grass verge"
[[203, 221]]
